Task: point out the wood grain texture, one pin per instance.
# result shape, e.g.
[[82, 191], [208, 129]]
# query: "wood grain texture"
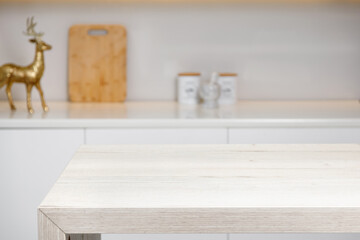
[[208, 220], [48, 230], [97, 64], [184, 1], [208, 189]]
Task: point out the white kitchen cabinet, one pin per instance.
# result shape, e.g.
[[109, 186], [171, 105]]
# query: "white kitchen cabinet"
[[295, 236], [163, 237], [293, 135], [30, 162], [33, 152], [157, 136]]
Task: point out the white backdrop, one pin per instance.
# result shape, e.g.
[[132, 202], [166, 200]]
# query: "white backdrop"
[[280, 51]]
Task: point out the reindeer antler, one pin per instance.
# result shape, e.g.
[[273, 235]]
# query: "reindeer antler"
[[30, 29]]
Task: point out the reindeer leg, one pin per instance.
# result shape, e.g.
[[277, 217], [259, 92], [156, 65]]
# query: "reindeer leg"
[[28, 97], [9, 95], [45, 107]]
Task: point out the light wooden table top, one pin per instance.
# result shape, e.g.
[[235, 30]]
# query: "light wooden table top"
[[208, 189]]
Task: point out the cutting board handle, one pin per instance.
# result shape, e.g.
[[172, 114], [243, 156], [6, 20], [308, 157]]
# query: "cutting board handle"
[[97, 32]]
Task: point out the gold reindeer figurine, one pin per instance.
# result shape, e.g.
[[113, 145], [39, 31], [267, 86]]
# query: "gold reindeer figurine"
[[31, 74]]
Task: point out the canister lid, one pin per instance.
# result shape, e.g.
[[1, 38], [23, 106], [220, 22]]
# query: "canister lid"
[[228, 74], [189, 74]]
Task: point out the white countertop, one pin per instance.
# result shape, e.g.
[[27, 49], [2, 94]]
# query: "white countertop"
[[171, 114]]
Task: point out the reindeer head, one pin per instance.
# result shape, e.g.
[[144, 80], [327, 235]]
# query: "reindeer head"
[[30, 31]]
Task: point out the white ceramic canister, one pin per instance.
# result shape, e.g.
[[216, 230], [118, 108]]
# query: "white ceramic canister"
[[188, 88], [228, 88]]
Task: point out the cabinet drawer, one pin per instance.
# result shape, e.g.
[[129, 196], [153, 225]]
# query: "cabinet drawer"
[[294, 135], [156, 136]]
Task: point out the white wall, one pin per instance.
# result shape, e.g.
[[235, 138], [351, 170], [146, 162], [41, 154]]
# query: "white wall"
[[281, 51]]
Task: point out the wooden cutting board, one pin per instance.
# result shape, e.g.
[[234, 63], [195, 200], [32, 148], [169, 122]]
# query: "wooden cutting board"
[[97, 63]]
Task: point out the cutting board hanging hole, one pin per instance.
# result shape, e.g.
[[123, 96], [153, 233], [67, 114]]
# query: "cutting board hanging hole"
[[97, 32]]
